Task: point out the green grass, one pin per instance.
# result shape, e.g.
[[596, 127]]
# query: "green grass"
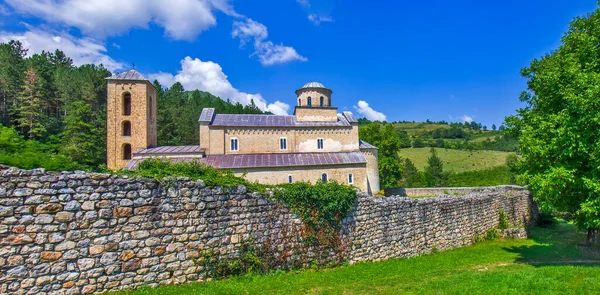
[[456, 160], [549, 262], [418, 128], [487, 177]]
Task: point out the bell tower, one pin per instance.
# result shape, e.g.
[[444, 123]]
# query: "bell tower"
[[130, 117], [314, 104]]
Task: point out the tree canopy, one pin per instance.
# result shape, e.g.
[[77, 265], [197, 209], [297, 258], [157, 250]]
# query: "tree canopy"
[[558, 128]]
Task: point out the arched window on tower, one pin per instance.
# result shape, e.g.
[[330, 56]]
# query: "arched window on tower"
[[126, 128], [299, 101], [321, 101], [126, 151], [127, 104], [309, 102]]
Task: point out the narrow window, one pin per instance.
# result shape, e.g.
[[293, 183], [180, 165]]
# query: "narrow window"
[[283, 143], [324, 177], [290, 179], [234, 144], [321, 101], [127, 104], [350, 178], [126, 151], [319, 143], [150, 108], [126, 128], [299, 102], [309, 103]]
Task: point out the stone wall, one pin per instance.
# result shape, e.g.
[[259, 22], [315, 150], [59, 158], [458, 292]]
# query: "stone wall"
[[79, 233], [453, 191]]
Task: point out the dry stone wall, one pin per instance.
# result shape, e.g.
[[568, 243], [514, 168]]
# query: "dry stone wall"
[[80, 233]]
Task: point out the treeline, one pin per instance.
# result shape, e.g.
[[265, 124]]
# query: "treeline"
[[53, 113]]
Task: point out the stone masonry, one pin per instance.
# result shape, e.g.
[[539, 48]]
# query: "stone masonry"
[[81, 233]]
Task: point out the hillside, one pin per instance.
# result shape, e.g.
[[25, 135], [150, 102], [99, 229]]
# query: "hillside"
[[457, 160]]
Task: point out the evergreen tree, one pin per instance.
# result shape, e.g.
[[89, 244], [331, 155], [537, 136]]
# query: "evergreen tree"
[[12, 68], [494, 127], [30, 106], [435, 169]]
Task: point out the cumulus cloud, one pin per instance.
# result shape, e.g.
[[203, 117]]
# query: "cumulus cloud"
[[81, 50], [268, 52], [366, 111], [466, 118], [318, 19], [209, 76], [181, 19]]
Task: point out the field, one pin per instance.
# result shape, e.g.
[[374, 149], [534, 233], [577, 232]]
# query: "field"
[[418, 128], [457, 160], [551, 261]]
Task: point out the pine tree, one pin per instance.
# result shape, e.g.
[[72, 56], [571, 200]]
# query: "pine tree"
[[30, 106], [435, 169]]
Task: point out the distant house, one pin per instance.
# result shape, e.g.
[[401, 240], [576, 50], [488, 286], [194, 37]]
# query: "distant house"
[[316, 143]]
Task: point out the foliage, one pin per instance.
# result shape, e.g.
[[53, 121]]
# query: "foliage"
[[547, 261], [435, 168], [388, 141], [411, 176], [247, 261], [29, 154], [160, 169], [558, 127], [503, 220], [320, 206], [456, 160]]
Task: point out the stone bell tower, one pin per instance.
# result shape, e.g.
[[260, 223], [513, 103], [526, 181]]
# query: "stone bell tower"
[[314, 104], [130, 117]]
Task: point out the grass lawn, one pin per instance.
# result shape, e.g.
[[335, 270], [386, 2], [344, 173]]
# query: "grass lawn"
[[549, 262], [457, 160], [418, 128]]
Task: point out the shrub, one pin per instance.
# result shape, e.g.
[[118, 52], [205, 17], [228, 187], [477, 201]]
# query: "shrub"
[[503, 220]]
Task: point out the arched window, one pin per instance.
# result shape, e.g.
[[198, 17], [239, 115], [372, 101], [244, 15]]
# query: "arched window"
[[126, 128], [234, 144], [299, 101], [126, 151], [309, 103], [283, 143], [321, 101], [290, 179], [324, 177], [127, 104], [350, 178]]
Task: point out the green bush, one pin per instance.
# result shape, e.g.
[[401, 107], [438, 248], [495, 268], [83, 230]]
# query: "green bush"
[[28, 154], [503, 220], [322, 205], [160, 168]]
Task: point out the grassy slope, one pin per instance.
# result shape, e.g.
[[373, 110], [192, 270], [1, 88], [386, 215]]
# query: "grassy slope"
[[549, 262], [418, 128], [457, 160]]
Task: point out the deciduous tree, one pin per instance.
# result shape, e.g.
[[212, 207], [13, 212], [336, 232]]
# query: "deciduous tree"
[[559, 127]]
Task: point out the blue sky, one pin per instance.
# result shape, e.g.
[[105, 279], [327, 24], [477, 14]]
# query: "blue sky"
[[399, 60]]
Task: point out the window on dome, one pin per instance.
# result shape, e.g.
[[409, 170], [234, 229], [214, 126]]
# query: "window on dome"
[[309, 102], [321, 101]]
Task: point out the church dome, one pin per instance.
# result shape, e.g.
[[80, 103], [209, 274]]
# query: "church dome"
[[313, 85]]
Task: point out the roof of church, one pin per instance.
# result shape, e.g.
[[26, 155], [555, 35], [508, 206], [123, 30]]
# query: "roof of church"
[[162, 150], [253, 120], [365, 145], [240, 161], [313, 85], [128, 75]]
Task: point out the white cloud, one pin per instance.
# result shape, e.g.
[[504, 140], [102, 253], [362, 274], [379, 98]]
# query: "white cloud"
[[268, 53], [317, 19], [81, 50], [181, 19], [304, 3], [466, 118], [366, 111], [208, 76]]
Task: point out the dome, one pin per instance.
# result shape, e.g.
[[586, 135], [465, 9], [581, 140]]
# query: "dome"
[[313, 85]]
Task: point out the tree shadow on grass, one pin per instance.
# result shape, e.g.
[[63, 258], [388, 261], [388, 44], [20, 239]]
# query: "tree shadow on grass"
[[558, 244]]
